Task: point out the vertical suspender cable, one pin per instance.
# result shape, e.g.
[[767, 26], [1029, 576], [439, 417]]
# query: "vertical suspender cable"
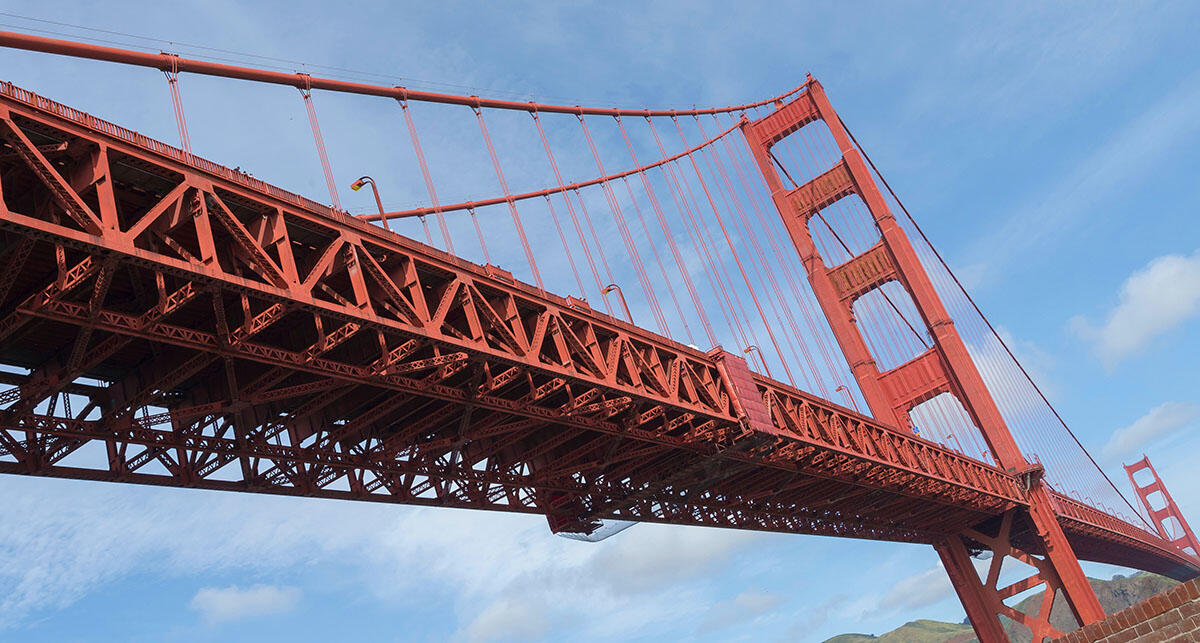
[[177, 101], [736, 308], [587, 218], [425, 227], [619, 217], [570, 208], [319, 141], [732, 205], [433, 198], [813, 375], [723, 285], [685, 215], [658, 260], [737, 260], [512, 206], [487, 256], [790, 277], [662, 222], [566, 249]]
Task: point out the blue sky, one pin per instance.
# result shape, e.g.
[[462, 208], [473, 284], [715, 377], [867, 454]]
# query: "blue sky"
[[1050, 151]]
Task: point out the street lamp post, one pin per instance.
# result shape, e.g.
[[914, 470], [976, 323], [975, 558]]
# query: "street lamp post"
[[849, 396], [611, 287], [753, 348], [365, 180]]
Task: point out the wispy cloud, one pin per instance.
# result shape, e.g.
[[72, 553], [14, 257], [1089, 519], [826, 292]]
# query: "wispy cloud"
[[917, 591], [75, 537], [508, 576], [1125, 158], [816, 616], [656, 558], [741, 608], [1159, 422], [508, 620], [224, 604], [1153, 300]]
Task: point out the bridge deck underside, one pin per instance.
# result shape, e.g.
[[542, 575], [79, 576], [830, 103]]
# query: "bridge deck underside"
[[187, 411], [164, 320]]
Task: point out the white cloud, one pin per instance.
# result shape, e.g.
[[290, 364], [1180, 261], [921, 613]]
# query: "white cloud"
[[815, 617], [507, 575], [224, 604], [917, 591], [1153, 300], [76, 536], [998, 368], [1161, 421], [741, 608], [509, 620], [652, 559]]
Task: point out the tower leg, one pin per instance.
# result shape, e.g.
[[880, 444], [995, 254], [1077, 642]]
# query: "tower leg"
[[984, 597], [957, 562], [947, 367]]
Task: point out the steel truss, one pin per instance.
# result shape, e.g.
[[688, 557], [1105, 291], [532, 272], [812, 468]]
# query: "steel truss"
[[252, 341], [225, 334]]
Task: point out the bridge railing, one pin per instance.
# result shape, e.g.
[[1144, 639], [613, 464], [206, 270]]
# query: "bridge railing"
[[1068, 507]]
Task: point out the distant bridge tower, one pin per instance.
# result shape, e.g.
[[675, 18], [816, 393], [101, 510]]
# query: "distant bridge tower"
[[1161, 516]]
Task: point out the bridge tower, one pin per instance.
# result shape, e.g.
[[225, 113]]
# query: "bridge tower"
[[1031, 535], [1162, 517]]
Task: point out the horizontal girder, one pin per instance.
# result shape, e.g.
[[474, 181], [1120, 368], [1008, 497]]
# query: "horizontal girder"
[[247, 339]]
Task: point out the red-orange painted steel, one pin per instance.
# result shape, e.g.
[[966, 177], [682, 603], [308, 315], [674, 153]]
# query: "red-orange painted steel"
[[393, 366], [984, 598], [301, 346], [252, 340], [169, 62], [1161, 516], [945, 368]]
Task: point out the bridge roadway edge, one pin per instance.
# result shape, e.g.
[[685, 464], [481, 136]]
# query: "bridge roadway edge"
[[1077, 521]]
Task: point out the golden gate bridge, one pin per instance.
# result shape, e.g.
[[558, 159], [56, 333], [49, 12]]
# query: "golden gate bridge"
[[167, 320]]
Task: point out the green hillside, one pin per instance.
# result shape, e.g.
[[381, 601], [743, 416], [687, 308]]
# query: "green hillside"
[[914, 632], [1114, 595]]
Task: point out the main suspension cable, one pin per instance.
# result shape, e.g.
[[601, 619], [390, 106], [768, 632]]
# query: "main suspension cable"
[[991, 328], [458, 207]]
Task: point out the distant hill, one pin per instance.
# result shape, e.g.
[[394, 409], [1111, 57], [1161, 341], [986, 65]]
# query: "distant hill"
[[913, 632], [1114, 595]]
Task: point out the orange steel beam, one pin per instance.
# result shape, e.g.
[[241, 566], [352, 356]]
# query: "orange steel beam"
[[170, 235], [170, 62], [946, 368], [1161, 516], [325, 306], [277, 346]]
